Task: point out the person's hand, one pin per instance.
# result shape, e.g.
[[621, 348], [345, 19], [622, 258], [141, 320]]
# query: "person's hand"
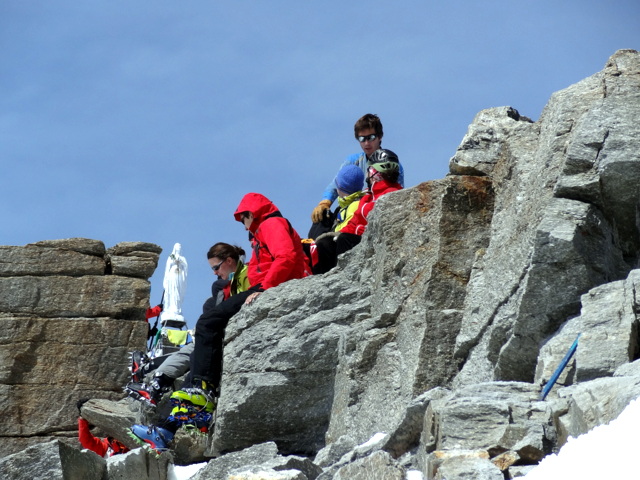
[[250, 299], [326, 235], [318, 212]]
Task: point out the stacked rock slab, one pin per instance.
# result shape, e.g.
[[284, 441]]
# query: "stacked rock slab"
[[70, 311]]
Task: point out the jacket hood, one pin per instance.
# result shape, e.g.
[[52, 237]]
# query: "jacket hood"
[[383, 185], [258, 205]]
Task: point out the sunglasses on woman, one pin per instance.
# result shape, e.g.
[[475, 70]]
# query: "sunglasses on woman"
[[215, 268]]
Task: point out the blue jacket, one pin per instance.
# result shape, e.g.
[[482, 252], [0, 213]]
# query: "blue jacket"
[[359, 159]]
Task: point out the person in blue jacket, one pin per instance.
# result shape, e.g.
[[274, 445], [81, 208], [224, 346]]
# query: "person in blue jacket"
[[368, 132]]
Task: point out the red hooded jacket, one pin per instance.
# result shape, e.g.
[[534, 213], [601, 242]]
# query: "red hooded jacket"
[[358, 222], [277, 250]]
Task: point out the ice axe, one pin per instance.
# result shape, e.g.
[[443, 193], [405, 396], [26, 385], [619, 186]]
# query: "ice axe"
[[554, 378]]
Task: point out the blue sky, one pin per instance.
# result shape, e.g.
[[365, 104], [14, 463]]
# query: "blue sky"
[[148, 121]]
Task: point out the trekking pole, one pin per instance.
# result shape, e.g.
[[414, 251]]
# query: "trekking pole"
[[554, 378]]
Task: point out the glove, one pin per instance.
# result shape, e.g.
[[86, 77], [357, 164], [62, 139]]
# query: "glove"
[[317, 214]]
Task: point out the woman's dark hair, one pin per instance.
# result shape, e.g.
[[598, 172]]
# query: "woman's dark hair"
[[224, 250]]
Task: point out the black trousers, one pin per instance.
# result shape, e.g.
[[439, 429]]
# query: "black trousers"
[[206, 360], [328, 250]]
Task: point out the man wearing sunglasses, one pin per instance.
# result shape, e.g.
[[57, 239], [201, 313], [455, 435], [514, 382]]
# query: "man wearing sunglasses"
[[368, 132]]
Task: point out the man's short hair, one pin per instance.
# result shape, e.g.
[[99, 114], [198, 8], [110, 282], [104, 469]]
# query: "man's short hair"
[[367, 121]]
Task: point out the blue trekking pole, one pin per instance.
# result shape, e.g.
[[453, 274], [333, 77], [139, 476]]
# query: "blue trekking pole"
[[547, 388]]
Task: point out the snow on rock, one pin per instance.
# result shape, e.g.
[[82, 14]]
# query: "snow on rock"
[[607, 451], [186, 472]]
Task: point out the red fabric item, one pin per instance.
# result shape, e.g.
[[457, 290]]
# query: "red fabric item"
[[358, 222], [314, 254], [153, 312], [88, 441], [277, 253], [101, 446]]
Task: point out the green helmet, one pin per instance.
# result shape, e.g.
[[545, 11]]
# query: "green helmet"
[[384, 161]]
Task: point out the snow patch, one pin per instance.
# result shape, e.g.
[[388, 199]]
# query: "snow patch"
[[606, 451], [177, 472]]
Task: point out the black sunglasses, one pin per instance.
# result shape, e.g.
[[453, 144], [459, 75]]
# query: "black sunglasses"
[[371, 138], [217, 267]]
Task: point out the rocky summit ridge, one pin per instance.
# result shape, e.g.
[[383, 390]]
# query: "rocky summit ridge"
[[424, 352]]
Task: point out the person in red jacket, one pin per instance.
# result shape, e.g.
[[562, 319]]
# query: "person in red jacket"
[[382, 176], [105, 447], [277, 257]]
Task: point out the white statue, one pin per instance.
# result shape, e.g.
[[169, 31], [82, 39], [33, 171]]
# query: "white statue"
[[175, 285]]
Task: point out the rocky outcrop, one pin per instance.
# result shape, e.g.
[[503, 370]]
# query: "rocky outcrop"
[[70, 311], [423, 354], [53, 460], [457, 282], [335, 350]]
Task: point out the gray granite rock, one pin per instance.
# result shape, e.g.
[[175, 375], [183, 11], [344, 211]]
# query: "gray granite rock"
[[608, 330], [287, 464], [609, 326], [593, 403], [189, 447], [406, 435], [492, 417], [67, 325], [333, 452], [52, 460], [380, 465], [468, 467], [138, 464], [628, 370], [65, 296], [266, 474], [488, 140], [133, 259], [285, 386], [255, 455], [113, 418], [87, 246], [46, 366], [555, 234], [33, 260]]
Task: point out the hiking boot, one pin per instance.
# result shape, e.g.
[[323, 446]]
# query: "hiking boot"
[[195, 397], [157, 438], [143, 393], [152, 393], [138, 361]]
